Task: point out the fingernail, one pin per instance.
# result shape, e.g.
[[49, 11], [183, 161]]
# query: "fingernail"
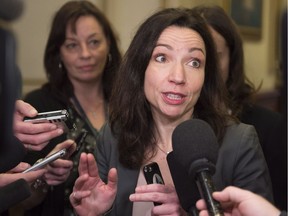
[[24, 165], [60, 131], [53, 126], [33, 112]]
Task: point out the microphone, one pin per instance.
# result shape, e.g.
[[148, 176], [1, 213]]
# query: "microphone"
[[13, 193], [186, 187], [195, 152]]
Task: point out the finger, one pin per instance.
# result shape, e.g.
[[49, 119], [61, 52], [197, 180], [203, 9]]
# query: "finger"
[[159, 196], [77, 196], [57, 174], [80, 181], [83, 164], [7, 178], [64, 145], [35, 147], [30, 128], [48, 177], [137, 198], [112, 178], [146, 197], [19, 168], [201, 204], [33, 175], [54, 182], [58, 171], [154, 188], [60, 164], [29, 176], [204, 213], [37, 136], [167, 209], [230, 193], [92, 166], [70, 150], [25, 108]]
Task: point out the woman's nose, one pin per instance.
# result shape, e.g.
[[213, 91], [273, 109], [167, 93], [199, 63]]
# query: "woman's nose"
[[85, 51], [177, 74]]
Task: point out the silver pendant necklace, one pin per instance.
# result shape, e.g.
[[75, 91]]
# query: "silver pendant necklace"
[[165, 152]]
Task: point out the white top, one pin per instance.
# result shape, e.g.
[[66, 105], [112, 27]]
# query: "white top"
[[142, 208]]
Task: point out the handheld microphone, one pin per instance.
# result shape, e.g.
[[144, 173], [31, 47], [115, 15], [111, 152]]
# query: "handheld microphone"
[[195, 152]]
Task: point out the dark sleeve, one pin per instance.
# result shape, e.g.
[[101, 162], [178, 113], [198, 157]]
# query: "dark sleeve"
[[272, 131], [104, 152], [251, 171], [42, 100], [104, 157], [107, 158], [241, 162]]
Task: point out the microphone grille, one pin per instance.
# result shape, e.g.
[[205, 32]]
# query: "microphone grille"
[[192, 140]]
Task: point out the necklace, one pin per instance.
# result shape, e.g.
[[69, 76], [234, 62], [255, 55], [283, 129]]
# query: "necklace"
[[93, 114], [165, 152]]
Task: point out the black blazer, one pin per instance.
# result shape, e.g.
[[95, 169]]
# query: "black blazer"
[[240, 163], [271, 130]]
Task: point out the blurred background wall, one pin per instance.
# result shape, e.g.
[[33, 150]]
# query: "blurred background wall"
[[262, 56]]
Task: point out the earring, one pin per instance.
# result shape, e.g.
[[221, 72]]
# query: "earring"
[[60, 65]]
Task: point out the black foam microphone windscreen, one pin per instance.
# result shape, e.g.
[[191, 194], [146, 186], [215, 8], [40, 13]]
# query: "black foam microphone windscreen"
[[13, 193], [194, 139], [186, 187], [195, 151]]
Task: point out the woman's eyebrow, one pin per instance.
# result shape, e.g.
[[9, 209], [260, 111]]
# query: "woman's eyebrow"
[[165, 45], [197, 49]]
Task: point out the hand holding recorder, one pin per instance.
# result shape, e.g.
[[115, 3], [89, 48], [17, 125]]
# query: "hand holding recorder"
[[16, 173], [61, 167], [33, 136], [59, 170], [56, 164], [58, 117]]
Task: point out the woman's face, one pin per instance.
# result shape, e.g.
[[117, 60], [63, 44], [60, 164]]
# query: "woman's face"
[[85, 52], [222, 52], [175, 74]]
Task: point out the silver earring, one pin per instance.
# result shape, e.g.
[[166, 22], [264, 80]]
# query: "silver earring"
[[60, 65]]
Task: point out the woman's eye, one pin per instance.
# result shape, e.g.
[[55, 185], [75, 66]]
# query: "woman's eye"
[[195, 63], [93, 43], [160, 58], [71, 45]]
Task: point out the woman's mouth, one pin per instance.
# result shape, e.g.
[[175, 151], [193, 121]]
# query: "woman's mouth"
[[86, 68], [174, 98]]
